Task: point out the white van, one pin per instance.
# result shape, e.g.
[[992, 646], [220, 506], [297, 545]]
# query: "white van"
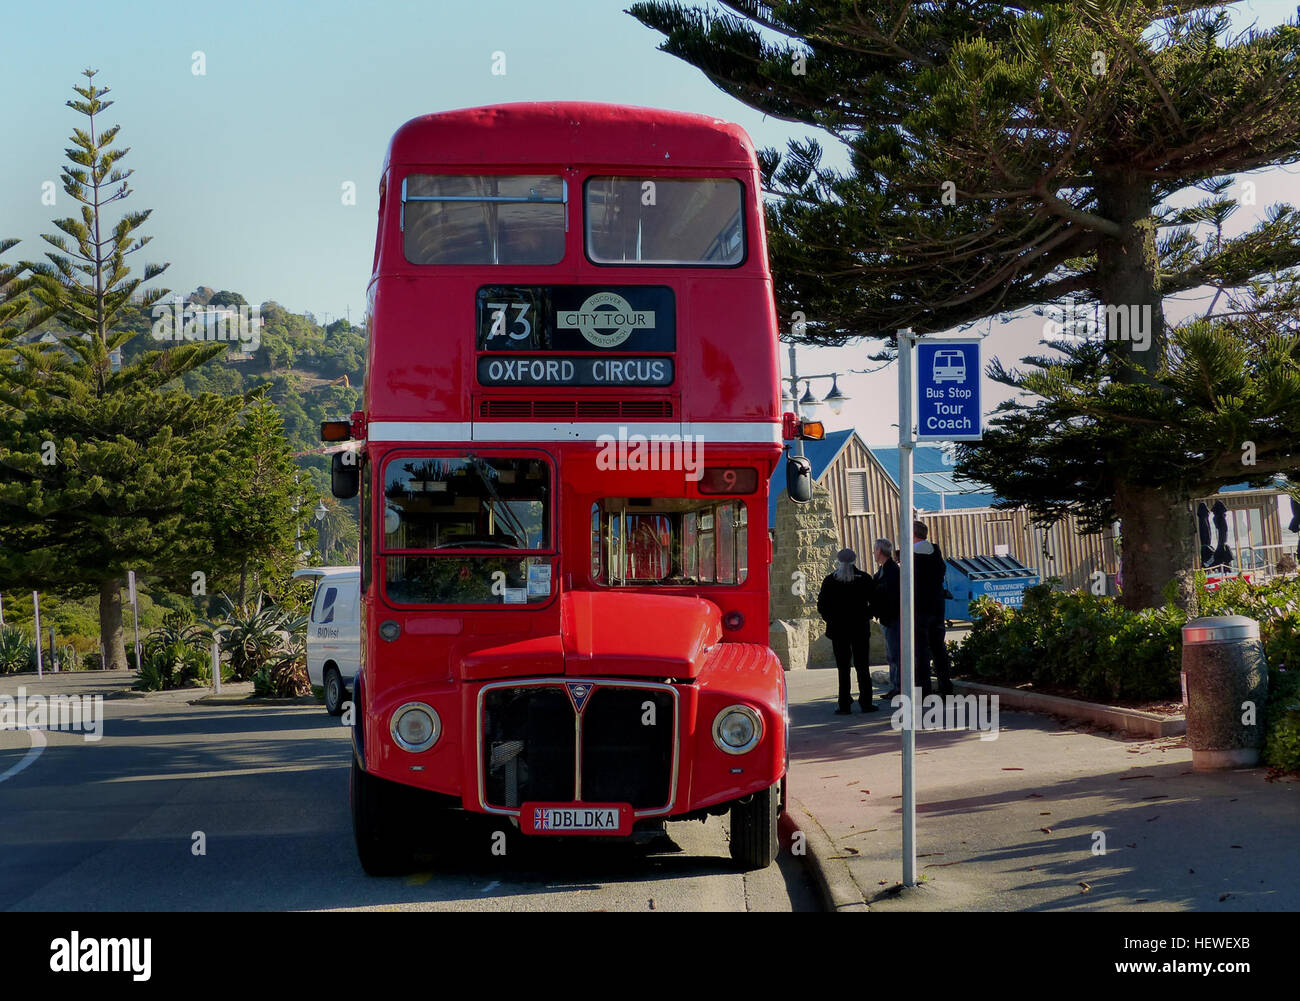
[[334, 632]]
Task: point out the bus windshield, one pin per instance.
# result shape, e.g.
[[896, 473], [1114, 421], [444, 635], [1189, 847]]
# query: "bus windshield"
[[669, 541], [468, 502], [464, 526]]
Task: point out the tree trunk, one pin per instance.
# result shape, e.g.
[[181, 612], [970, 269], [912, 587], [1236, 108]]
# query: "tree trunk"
[[110, 624], [1157, 533], [1157, 527]]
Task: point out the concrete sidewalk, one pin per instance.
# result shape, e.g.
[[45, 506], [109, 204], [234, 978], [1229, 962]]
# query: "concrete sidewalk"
[[1017, 823]]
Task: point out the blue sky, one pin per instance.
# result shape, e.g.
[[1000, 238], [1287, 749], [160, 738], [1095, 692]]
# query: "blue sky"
[[244, 166]]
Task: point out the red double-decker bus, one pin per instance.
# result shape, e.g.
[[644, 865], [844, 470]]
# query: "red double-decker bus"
[[572, 411]]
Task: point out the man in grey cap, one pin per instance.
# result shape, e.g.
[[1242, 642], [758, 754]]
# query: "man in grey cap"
[[844, 602]]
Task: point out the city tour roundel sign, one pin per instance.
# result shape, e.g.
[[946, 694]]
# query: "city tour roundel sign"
[[606, 319]]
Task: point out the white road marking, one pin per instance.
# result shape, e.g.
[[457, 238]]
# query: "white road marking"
[[228, 773], [38, 745]]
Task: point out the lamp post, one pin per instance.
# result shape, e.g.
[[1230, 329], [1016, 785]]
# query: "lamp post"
[[834, 400]]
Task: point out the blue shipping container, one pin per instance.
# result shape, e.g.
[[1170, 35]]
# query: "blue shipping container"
[[1001, 578]]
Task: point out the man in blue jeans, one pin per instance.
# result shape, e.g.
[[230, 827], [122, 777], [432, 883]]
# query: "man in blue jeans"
[[885, 607]]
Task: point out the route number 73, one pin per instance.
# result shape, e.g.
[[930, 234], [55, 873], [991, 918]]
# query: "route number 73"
[[500, 321]]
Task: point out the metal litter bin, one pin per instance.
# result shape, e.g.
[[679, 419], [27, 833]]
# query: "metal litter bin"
[[1225, 688], [1002, 578]]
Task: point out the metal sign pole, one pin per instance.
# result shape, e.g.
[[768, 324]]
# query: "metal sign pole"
[[36, 615], [135, 616], [906, 606]]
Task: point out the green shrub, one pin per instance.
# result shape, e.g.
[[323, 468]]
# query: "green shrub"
[[150, 678], [1075, 640], [1282, 720], [262, 681]]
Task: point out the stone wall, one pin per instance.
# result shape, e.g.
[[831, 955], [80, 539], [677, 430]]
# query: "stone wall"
[[803, 552], [805, 543]]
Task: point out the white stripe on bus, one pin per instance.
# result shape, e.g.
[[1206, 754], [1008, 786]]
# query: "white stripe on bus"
[[765, 432]]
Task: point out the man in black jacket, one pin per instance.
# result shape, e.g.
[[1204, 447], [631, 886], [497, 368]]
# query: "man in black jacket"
[[844, 602], [885, 607], [930, 569]]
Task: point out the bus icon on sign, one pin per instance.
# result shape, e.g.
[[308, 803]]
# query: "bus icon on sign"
[[949, 366]]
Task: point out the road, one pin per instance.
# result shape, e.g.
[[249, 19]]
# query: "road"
[[112, 824]]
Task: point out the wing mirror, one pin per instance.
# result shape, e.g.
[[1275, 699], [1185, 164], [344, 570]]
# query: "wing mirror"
[[345, 475]]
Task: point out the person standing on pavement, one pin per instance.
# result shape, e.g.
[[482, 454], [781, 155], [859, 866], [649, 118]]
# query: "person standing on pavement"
[[929, 571], [844, 602], [885, 605]]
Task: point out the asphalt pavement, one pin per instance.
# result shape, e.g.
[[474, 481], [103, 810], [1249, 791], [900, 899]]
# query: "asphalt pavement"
[[114, 824]]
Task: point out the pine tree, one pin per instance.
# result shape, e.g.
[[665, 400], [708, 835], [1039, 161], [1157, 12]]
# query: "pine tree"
[[96, 460], [1005, 156], [250, 508]]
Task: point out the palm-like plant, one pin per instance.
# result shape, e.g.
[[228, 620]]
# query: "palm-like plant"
[[176, 650], [251, 634], [16, 651], [287, 671]]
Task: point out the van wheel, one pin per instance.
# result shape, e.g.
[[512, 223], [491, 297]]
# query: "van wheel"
[[754, 838], [334, 692], [381, 845]]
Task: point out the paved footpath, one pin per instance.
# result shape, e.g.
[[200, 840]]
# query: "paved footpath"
[[1017, 823]]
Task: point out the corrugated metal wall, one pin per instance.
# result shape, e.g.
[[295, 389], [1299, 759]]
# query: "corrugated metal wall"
[[1068, 554], [1071, 556]]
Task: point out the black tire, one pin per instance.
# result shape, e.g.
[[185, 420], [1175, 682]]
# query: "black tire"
[[381, 845], [754, 837], [335, 693]]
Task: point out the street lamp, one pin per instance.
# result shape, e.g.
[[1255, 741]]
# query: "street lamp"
[[807, 403], [835, 399], [320, 511]]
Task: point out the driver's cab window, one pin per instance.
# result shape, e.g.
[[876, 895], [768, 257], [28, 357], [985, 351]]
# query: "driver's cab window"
[[469, 502], [467, 529]]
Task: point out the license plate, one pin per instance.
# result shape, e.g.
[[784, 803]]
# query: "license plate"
[[576, 818]]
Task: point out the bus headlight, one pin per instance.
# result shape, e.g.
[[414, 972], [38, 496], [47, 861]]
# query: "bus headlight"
[[737, 729], [415, 727]]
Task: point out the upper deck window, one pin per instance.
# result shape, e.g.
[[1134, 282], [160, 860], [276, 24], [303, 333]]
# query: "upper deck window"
[[483, 218], [659, 220]]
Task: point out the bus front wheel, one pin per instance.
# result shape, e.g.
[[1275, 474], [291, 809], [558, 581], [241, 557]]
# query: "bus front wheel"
[[381, 846], [754, 837]]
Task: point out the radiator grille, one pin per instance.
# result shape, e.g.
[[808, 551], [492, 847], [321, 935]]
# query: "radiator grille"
[[529, 740]]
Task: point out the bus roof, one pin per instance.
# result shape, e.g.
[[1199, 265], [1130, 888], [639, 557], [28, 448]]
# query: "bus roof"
[[570, 132]]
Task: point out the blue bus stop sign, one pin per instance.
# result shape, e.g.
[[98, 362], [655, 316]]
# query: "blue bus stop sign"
[[948, 391]]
